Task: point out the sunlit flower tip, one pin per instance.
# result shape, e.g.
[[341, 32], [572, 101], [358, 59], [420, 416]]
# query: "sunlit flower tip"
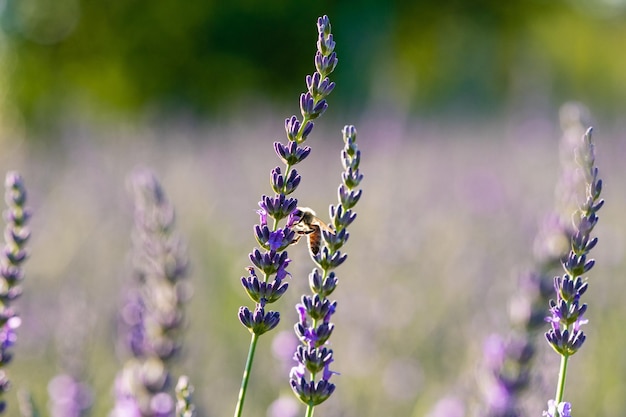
[[349, 132], [323, 25]]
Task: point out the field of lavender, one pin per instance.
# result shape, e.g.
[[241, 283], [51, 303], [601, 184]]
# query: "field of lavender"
[[446, 226]]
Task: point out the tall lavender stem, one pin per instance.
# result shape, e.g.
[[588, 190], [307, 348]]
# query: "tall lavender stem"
[[155, 315], [310, 378], [567, 312], [272, 259], [13, 255]]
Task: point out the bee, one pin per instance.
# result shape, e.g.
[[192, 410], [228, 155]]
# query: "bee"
[[311, 226]]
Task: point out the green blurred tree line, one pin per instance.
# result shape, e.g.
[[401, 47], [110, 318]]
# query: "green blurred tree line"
[[206, 57]]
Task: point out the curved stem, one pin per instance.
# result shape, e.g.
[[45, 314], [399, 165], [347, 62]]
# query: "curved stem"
[[246, 375]]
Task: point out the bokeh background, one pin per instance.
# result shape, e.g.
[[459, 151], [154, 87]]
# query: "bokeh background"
[[457, 108]]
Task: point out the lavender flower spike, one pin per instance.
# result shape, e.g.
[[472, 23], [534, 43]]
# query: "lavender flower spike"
[[264, 283], [154, 315], [508, 361], [566, 318], [310, 377], [12, 257]]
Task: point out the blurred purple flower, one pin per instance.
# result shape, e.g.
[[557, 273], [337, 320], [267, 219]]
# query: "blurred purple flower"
[[153, 316], [69, 397], [12, 256]]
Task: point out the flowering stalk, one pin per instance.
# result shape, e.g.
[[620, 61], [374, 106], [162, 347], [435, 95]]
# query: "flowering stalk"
[[566, 312], [155, 314], [508, 361], [16, 235], [272, 259], [310, 378]]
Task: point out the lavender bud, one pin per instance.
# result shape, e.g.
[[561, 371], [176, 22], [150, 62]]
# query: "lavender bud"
[[258, 322], [259, 291], [292, 154], [279, 206]]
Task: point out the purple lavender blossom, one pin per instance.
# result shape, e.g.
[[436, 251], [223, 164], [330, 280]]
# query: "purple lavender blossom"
[[310, 377], [567, 311], [264, 284], [13, 255], [153, 316], [69, 397]]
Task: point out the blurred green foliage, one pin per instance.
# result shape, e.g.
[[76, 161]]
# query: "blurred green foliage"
[[209, 57]]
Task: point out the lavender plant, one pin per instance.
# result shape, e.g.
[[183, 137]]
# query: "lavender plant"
[[154, 314], [508, 361], [272, 258], [566, 336], [13, 255], [310, 378]]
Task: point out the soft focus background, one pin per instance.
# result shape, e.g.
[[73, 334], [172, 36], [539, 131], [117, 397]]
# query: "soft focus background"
[[456, 104]]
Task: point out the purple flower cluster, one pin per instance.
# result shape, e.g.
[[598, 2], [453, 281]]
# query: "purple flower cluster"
[[272, 258], [154, 315], [69, 397], [12, 257], [566, 318], [310, 378]]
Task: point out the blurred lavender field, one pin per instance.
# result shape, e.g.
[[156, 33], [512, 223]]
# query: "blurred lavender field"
[[446, 223]]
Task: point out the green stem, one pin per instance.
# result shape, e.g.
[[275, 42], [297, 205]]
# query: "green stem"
[[246, 375], [309, 410], [560, 388]]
